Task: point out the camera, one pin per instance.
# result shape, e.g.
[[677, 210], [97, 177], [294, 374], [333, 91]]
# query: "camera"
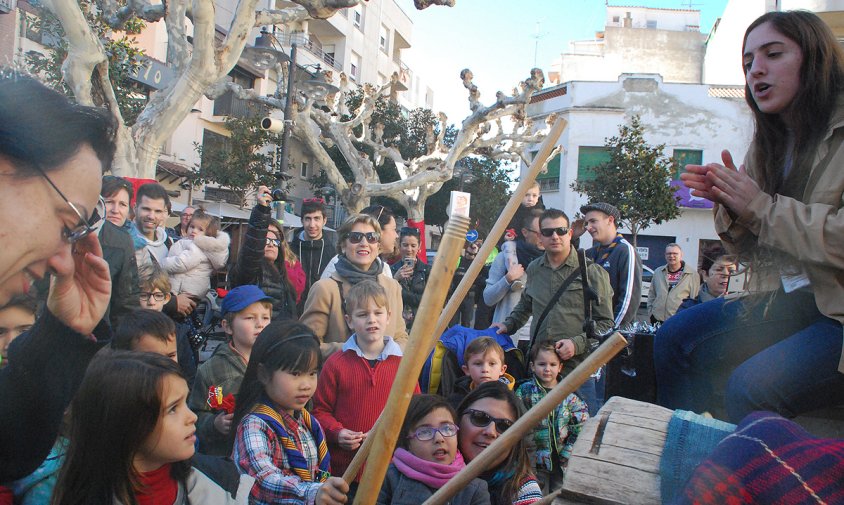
[[279, 195], [272, 124]]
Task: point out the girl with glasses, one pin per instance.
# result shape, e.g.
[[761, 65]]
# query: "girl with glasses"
[[427, 457], [484, 414], [357, 260], [264, 260]]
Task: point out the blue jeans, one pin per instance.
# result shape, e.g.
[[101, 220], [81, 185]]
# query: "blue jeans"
[[750, 354]]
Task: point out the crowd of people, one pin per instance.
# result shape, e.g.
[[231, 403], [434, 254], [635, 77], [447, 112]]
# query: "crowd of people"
[[105, 399]]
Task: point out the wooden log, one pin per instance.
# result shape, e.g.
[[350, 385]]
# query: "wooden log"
[[617, 454], [497, 230], [523, 426], [422, 340]]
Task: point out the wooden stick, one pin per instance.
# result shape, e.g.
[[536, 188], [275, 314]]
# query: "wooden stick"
[[497, 230], [532, 417], [360, 456], [422, 340]]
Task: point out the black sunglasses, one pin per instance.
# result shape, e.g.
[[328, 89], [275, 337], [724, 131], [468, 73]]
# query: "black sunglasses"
[[273, 241], [355, 237], [408, 230], [560, 231], [481, 419]]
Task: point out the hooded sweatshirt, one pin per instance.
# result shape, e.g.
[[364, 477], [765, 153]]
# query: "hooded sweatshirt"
[[314, 255]]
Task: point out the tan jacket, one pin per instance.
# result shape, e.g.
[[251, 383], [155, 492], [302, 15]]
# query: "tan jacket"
[[323, 312], [662, 302], [809, 230]]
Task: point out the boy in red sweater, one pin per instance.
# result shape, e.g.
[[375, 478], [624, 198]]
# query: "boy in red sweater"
[[354, 384]]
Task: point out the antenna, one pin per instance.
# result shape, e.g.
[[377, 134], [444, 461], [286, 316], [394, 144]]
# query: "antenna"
[[688, 4], [538, 35]]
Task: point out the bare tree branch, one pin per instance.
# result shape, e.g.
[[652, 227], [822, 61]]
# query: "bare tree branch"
[[116, 16]]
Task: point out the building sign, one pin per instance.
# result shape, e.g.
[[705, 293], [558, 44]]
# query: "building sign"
[[152, 73], [687, 199], [643, 253]]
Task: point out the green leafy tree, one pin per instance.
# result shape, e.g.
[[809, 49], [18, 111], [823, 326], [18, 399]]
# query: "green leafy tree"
[[635, 180], [124, 57], [241, 162]]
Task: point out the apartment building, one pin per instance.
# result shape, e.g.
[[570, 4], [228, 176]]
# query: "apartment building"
[[366, 42]]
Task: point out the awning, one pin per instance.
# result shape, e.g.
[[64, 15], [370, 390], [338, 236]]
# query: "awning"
[[227, 210]]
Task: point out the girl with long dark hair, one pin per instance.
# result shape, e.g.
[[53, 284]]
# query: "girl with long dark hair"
[[779, 347]]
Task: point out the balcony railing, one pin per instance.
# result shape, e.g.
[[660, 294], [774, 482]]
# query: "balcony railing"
[[302, 40], [229, 105]]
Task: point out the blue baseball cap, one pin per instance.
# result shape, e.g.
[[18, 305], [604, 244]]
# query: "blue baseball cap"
[[241, 297]]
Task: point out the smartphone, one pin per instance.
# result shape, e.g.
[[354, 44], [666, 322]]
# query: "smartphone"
[[408, 262]]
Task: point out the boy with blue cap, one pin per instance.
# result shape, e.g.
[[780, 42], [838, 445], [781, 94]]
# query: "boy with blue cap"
[[246, 312]]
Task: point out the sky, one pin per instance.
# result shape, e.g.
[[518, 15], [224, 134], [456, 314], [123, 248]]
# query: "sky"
[[497, 40]]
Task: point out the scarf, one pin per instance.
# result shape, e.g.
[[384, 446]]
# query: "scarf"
[[298, 462], [353, 274], [604, 251], [433, 475], [526, 252]]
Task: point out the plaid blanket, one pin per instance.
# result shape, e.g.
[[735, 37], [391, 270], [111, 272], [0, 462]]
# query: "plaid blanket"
[[769, 459]]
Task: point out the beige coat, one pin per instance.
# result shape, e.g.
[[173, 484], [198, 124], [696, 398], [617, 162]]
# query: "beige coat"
[[810, 230], [323, 312], [663, 302]]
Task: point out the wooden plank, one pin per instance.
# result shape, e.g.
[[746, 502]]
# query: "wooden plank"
[[611, 481], [647, 462]]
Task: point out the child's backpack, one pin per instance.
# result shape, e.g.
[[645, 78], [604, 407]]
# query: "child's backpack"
[[443, 366]]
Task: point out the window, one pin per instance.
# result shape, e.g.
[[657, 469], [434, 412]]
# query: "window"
[[222, 195], [683, 157], [214, 146], [31, 27], [357, 16], [651, 24], [303, 172], [588, 158], [550, 181], [616, 19], [328, 52], [354, 67], [384, 39]]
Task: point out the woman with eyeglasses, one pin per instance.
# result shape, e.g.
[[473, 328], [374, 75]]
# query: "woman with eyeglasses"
[[411, 273], [262, 260], [51, 173], [357, 260], [483, 415], [387, 244]]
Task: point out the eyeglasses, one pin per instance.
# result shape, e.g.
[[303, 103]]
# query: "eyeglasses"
[[560, 231], [372, 237], [273, 242], [481, 419], [158, 297], [426, 433], [84, 227], [313, 200], [409, 230]]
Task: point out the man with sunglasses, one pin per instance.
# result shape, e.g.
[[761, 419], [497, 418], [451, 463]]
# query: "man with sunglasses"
[[564, 321]]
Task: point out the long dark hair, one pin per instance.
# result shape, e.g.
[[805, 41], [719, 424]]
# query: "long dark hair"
[[821, 81], [283, 345], [278, 268], [114, 411], [518, 461]]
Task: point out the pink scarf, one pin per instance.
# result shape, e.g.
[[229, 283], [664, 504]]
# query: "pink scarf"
[[431, 474]]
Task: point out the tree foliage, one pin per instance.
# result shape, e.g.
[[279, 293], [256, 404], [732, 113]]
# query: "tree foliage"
[[241, 162], [635, 180], [124, 58], [489, 185]]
